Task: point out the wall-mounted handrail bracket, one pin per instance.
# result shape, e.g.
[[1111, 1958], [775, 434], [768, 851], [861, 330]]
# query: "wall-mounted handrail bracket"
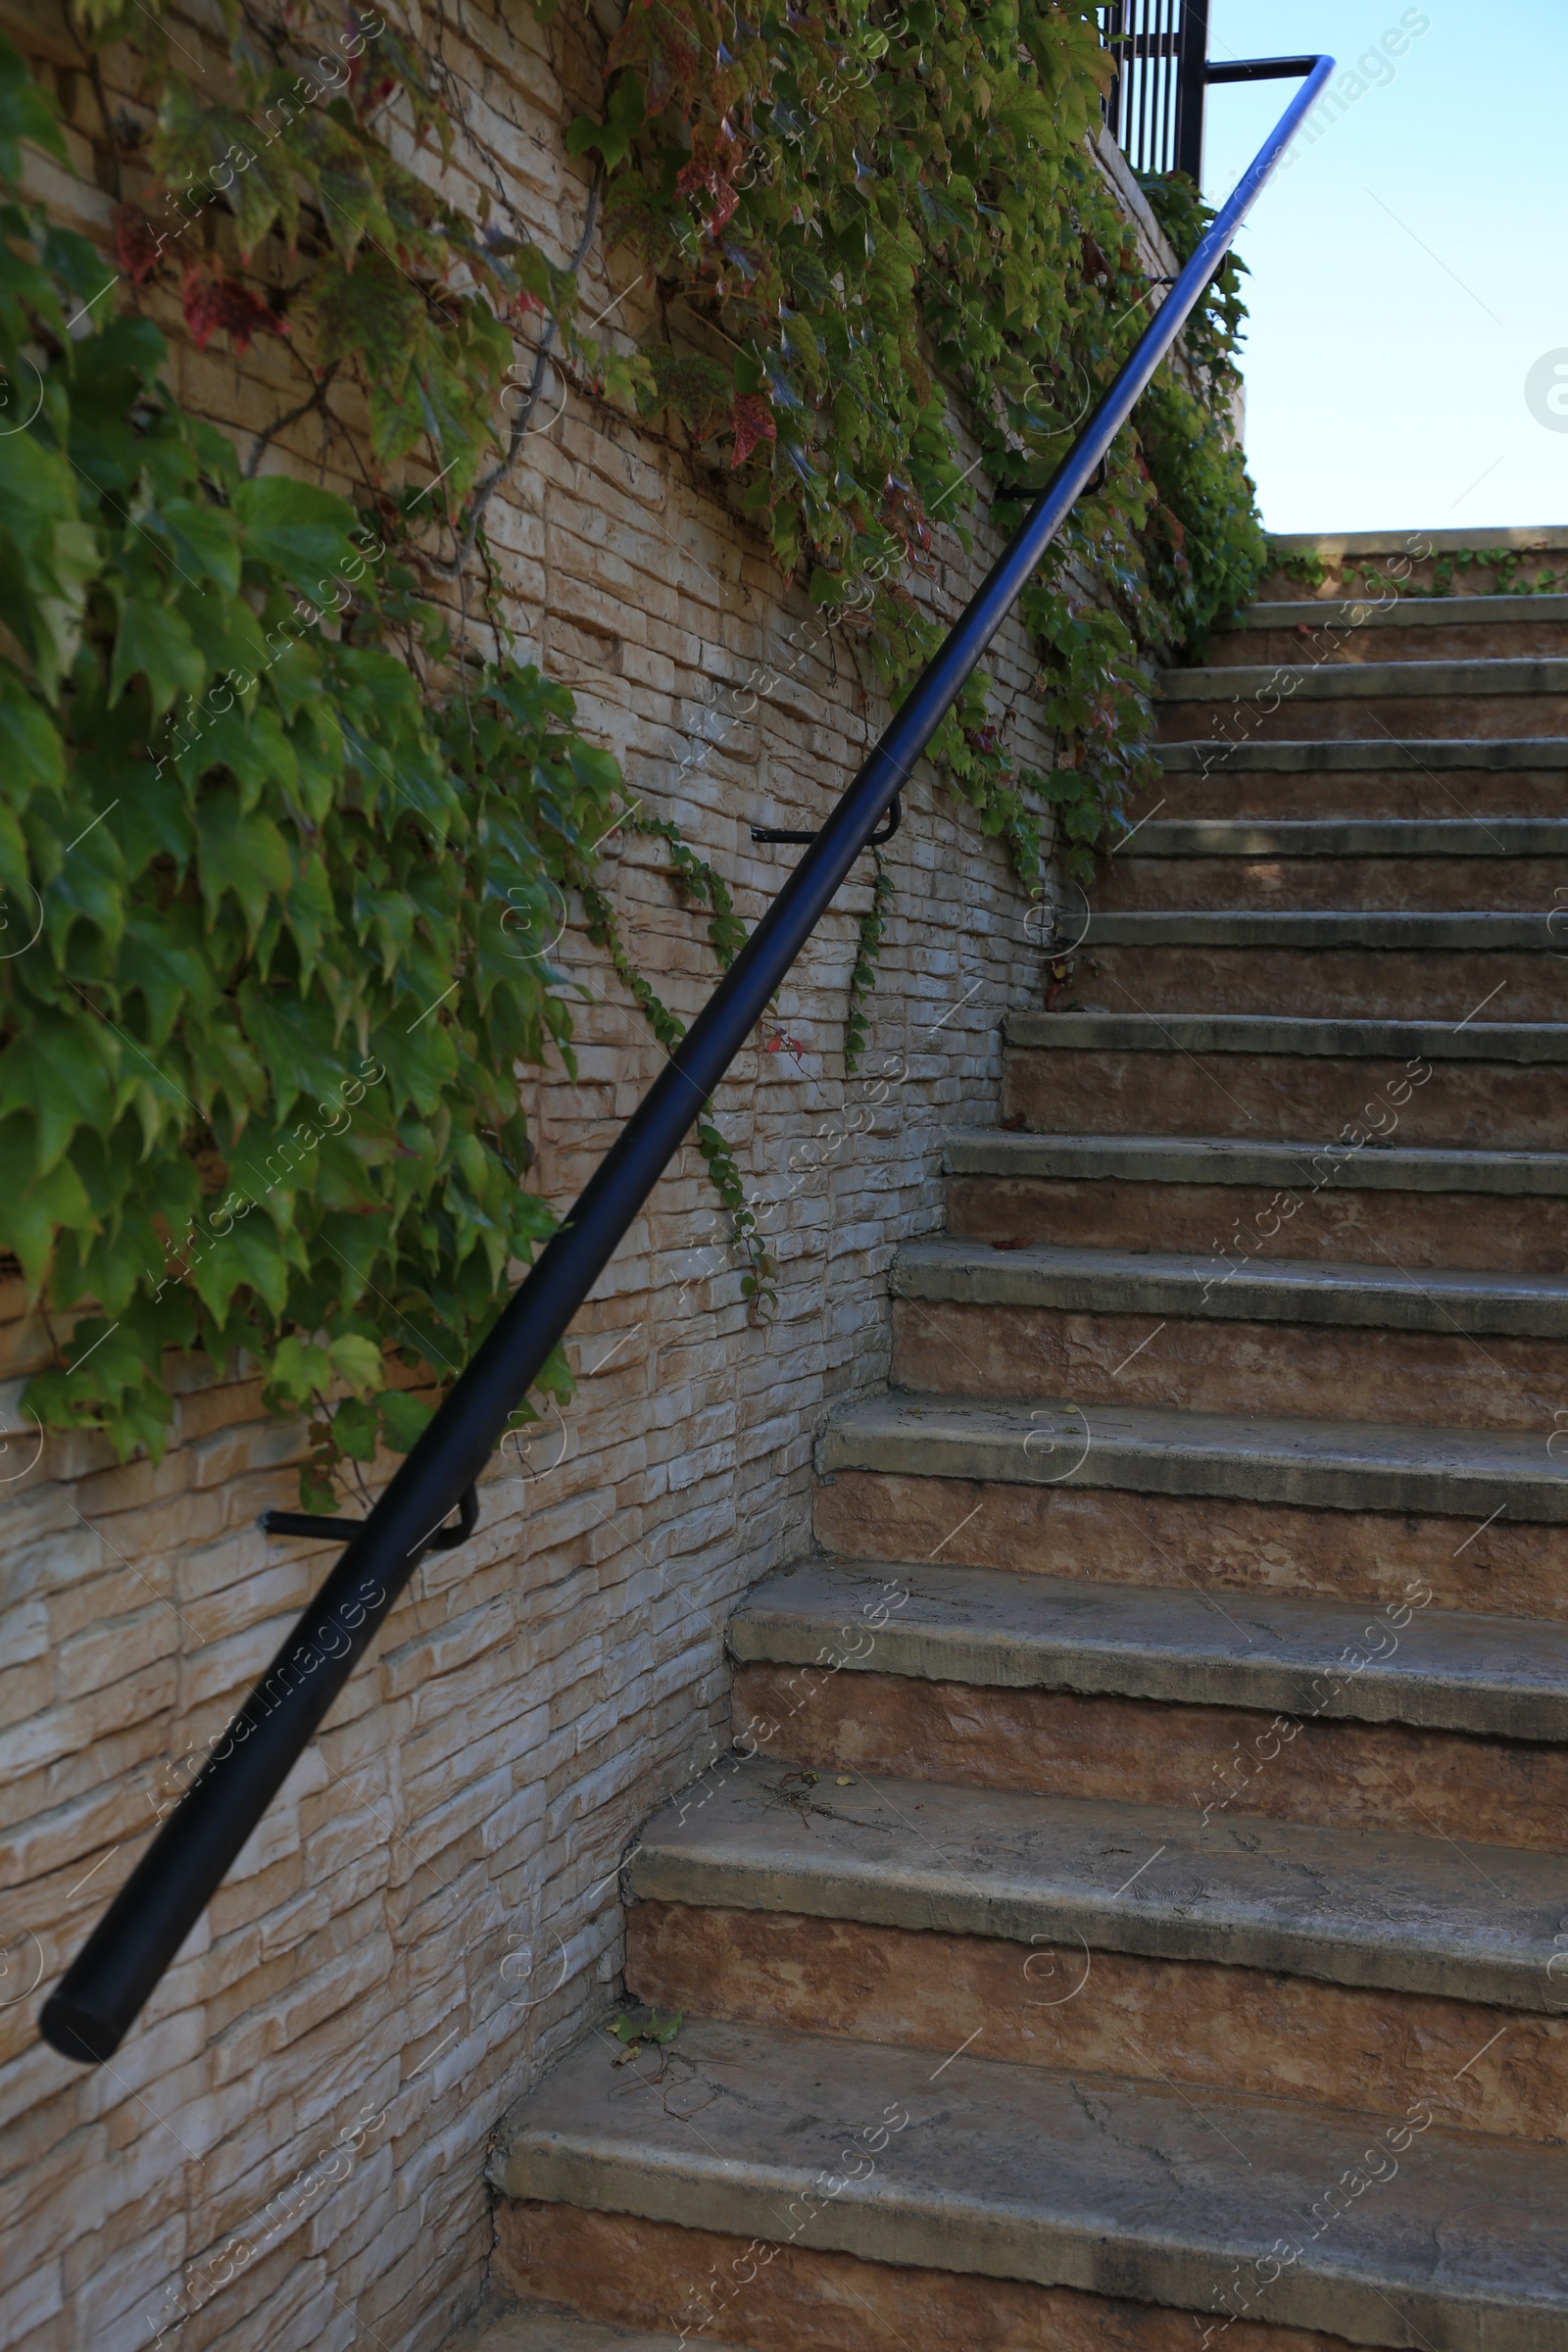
[[895, 818], [94, 2005], [328, 1524]]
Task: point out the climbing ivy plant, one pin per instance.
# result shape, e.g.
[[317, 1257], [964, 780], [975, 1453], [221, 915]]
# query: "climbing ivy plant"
[[284, 857], [278, 922]]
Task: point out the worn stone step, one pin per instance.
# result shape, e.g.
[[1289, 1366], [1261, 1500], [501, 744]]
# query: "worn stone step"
[[1366, 681], [1374, 775], [1413, 1209], [1414, 551], [1466, 837], [1239, 1160], [1394, 627], [1399, 929], [1472, 1040], [1327, 700], [1361, 888], [1365, 1909], [1497, 1678], [1230, 1334], [1247, 1365], [1054, 1738], [1497, 1565], [1240, 1954], [1087, 2183], [1461, 1476], [1470, 1082], [1374, 753], [1357, 962], [1262, 1289], [1403, 983]]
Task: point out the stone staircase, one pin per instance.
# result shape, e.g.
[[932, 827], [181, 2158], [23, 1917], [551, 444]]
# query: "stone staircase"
[[1137, 1911]]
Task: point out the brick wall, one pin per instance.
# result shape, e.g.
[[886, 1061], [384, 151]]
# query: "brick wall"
[[287, 2150]]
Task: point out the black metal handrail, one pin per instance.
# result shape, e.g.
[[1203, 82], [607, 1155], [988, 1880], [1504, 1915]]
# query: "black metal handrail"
[[98, 1998]]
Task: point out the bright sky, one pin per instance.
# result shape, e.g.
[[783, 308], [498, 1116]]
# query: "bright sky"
[[1410, 270]]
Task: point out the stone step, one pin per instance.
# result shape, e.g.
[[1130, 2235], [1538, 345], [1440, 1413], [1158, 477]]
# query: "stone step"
[[1058, 1687], [1411, 1207], [1377, 774], [1512, 868], [1465, 837], [1350, 1908], [1391, 628], [1497, 1678], [1327, 700], [1087, 2183], [1374, 752], [1401, 930], [1462, 1476], [1475, 1041], [1343, 1968], [1468, 1083], [1438, 888], [1260, 1289], [1237, 1160], [1313, 983], [1537, 544], [1502, 1564]]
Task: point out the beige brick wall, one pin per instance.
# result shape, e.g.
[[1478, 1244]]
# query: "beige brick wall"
[[429, 1913]]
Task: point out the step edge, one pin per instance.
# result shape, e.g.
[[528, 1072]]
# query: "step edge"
[[1049, 2241], [965, 1149], [1417, 1700], [1234, 1935]]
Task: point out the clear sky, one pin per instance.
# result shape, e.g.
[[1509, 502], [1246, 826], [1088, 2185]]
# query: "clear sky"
[[1410, 270]]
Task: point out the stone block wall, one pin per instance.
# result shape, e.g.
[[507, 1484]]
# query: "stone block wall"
[[287, 2150]]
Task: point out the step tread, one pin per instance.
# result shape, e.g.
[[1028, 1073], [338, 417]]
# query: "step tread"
[[1126, 2189], [1351, 836], [1432, 929], [1156, 1282], [1404, 612], [1347, 681], [1224, 1159], [1323, 1465], [1287, 1033], [997, 1628], [1348, 1906], [1340, 755]]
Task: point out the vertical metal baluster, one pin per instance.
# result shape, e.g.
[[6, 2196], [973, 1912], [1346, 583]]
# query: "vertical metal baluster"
[[1141, 147]]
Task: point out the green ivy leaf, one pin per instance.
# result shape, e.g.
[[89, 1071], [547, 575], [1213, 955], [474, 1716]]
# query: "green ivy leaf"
[[153, 641], [297, 530], [358, 1360], [404, 1419], [31, 755], [63, 1073], [240, 852]]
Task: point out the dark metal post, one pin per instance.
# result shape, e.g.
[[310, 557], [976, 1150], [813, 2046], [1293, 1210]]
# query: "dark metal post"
[[1192, 81]]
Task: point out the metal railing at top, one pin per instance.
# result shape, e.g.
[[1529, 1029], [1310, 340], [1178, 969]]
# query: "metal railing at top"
[[1155, 105], [97, 2000]]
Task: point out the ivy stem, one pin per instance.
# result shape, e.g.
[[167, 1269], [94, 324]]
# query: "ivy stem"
[[486, 489]]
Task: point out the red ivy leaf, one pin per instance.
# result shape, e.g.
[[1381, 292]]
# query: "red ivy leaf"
[[213, 303], [708, 171], [138, 244], [753, 421]]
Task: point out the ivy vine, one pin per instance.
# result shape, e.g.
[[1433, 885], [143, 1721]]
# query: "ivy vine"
[[294, 854]]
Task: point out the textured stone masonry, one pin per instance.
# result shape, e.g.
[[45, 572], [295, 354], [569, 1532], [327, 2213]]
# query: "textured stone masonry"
[[428, 1914]]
